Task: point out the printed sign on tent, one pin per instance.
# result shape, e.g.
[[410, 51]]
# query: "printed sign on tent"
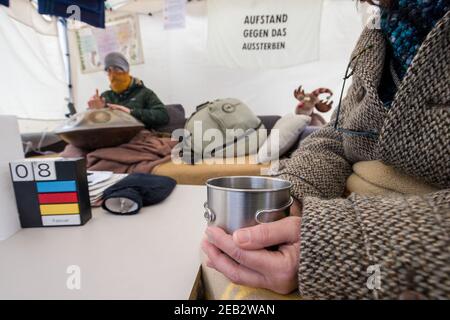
[[122, 34], [174, 14], [263, 33]]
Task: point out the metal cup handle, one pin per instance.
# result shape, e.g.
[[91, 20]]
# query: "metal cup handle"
[[263, 211], [209, 215]]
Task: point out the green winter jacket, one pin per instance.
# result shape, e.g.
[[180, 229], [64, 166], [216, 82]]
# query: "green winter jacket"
[[143, 102]]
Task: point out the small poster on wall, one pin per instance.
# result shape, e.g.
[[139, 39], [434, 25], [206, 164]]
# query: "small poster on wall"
[[174, 14], [263, 33], [122, 34]]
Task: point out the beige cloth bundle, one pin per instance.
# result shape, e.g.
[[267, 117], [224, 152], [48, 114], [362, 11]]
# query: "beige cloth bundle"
[[373, 178]]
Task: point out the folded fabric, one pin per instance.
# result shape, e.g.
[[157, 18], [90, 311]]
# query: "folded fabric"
[[144, 152], [4, 2], [356, 184], [91, 12], [376, 178], [137, 190]]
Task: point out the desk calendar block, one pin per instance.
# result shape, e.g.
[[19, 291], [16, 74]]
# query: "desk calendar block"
[[51, 192]]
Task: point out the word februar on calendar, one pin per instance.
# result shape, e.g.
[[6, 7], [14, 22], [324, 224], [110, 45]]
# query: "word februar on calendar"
[[51, 192]]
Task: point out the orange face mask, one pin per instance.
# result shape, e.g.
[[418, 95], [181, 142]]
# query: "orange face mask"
[[120, 81]]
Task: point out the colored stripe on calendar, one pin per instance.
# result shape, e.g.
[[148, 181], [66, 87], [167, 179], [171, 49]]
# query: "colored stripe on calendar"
[[57, 209], [48, 198], [56, 186]]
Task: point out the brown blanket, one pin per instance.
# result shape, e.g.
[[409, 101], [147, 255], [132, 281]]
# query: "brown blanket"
[[145, 151]]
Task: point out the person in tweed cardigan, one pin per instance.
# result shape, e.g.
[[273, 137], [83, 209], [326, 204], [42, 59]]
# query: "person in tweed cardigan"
[[362, 247]]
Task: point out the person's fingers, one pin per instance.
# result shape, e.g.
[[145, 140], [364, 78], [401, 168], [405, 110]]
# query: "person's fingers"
[[96, 93], [92, 104], [290, 253], [296, 208], [260, 260], [236, 273], [209, 263], [265, 235]]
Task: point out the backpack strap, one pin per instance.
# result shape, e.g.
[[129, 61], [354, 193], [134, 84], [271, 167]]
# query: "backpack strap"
[[237, 139]]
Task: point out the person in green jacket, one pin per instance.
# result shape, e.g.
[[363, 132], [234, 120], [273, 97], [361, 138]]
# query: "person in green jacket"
[[129, 94]]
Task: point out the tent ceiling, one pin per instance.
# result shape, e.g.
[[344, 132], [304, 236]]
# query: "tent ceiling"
[[138, 6], [24, 11]]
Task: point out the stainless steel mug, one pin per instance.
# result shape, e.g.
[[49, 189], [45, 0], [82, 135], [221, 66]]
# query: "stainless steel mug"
[[239, 202]]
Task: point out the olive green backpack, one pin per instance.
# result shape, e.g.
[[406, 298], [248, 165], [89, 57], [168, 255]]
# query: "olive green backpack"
[[239, 130]]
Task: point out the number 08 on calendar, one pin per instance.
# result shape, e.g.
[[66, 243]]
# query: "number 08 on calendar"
[[51, 192]]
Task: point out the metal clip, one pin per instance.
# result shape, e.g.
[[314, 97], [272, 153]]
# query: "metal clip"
[[209, 215]]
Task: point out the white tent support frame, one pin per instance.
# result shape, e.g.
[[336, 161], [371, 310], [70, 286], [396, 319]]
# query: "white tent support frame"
[[65, 33]]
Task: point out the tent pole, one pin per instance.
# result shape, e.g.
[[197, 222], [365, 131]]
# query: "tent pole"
[[70, 105]]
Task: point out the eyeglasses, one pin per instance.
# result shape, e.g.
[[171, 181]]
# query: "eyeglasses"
[[348, 75]]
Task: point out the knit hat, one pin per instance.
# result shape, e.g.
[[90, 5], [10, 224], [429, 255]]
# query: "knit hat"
[[116, 59]]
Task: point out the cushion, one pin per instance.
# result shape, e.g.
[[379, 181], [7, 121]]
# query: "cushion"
[[289, 127], [305, 134], [269, 122], [308, 130], [41, 143], [177, 118], [198, 174]]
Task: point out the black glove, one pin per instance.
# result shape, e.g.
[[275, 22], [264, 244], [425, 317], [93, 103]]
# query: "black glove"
[[135, 191]]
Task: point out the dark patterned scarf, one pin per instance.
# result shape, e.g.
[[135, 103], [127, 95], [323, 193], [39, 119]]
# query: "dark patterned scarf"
[[407, 26]]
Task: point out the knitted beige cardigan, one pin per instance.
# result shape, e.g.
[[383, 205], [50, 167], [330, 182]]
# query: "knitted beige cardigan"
[[379, 247]]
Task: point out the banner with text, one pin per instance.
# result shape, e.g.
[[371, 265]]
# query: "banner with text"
[[263, 33]]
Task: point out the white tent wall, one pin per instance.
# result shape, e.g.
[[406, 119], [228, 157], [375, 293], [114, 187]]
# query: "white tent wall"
[[33, 81], [177, 67]]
